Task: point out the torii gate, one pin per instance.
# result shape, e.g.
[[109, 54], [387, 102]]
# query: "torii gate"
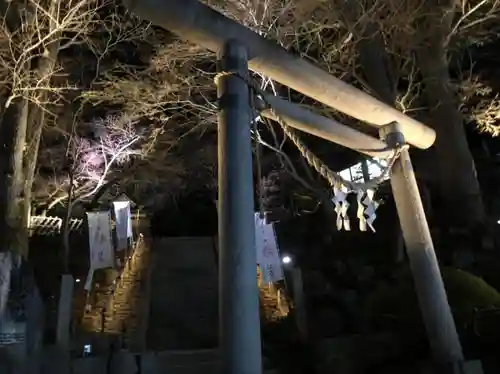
[[238, 49]]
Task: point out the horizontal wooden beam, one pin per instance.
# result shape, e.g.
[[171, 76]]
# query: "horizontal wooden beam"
[[202, 25], [304, 120]]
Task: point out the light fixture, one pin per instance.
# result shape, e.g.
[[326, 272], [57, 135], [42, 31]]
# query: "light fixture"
[[87, 349], [287, 260], [77, 280]]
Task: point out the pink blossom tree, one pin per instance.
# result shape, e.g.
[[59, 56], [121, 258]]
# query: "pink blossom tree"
[[93, 159]]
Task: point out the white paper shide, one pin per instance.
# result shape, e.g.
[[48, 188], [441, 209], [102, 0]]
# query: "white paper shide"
[[123, 219], [268, 257]]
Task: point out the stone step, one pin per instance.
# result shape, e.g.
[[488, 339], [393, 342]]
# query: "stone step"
[[191, 369], [185, 362], [175, 358], [195, 369], [180, 357], [124, 363]]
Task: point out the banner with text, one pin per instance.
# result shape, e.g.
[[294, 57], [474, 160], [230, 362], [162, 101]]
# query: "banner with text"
[[268, 256], [123, 219], [100, 243]]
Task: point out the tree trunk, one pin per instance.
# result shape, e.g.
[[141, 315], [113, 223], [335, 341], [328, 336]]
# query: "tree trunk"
[[365, 170], [37, 120], [13, 136], [373, 58], [456, 173], [376, 69], [13, 127], [12, 139], [12, 133]]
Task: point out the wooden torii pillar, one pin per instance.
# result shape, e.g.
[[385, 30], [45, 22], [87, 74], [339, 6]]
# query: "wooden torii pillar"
[[200, 24]]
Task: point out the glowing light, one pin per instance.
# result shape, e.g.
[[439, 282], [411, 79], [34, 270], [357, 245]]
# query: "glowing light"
[[77, 280], [286, 260], [87, 349]]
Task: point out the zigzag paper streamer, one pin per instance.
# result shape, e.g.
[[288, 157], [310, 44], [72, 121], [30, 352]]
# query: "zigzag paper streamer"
[[341, 207], [371, 207], [361, 210]]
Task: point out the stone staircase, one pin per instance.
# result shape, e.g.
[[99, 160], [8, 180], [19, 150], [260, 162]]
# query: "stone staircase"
[[184, 300], [180, 287], [183, 323], [120, 305], [164, 362], [185, 362]]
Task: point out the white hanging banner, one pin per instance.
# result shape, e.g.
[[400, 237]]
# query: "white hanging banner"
[[123, 219], [267, 251], [100, 243]]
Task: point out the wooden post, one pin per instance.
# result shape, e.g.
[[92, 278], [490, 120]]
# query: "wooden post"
[[202, 25], [299, 303], [433, 302], [326, 128], [239, 318], [64, 311]]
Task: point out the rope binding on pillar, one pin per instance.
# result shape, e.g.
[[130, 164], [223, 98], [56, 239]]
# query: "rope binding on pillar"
[[366, 205]]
